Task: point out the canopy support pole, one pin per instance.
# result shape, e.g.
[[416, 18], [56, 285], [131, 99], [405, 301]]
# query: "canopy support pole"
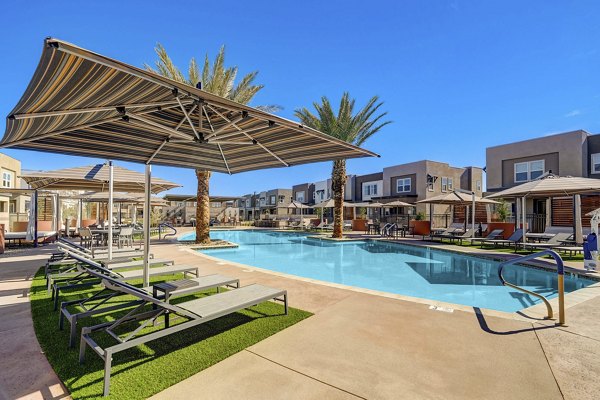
[[473, 215], [110, 209], [79, 214], [35, 216], [524, 214], [147, 193], [577, 226], [548, 212]]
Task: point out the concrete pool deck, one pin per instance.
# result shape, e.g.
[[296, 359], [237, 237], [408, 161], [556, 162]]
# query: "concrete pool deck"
[[357, 345]]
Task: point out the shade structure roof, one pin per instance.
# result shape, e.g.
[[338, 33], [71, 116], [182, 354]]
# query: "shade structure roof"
[[550, 186], [366, 205], [119, 197], [296, 204], [82, 103], [398, 203], [455, 197], [94, 178], [327, 204]]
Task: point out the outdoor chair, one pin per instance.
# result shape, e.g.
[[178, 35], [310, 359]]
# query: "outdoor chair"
[[514, 239], [492, 235], [72, 311], [79, 277], [193, 312], [555, 241], [125, 237], [468, 235], [86, 238]]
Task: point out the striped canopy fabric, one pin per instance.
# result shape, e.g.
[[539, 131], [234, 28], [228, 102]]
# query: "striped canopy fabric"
[[94, 178], [551, 186], [82, 103]]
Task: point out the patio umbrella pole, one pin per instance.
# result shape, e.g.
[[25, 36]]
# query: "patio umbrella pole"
[[110, 209], [473, 215], [524, 214], [147, 193]]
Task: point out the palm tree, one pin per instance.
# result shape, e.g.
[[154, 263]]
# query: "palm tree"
[[354, 128], [220, 80]]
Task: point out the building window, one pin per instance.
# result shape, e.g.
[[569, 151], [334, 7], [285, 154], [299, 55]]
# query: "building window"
[[281, 198], [300, 196], [216, 204], [12, 207], [370, 189], [596, 163], [247, 203], [478, 186], [444, 184], [6, 179], [27, 205], [527, 171], [450, 184], [403, 185], [272, 199]]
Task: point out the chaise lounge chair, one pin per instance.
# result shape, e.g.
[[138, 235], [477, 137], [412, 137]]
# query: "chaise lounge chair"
[[492, 235], [555, 241], [81, 277], [514, 239], [97, 303], [194, 312]]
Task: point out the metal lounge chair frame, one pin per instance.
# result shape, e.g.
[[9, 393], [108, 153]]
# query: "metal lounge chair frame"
[[196, 312], [83, 277], [96, 304]]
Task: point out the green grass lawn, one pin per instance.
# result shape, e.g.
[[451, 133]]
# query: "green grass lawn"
[[145, 370], [511, 250]]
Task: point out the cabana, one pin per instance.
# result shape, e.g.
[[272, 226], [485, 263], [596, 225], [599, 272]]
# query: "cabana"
[[97, 178], [82, 103], [458, 198], [549, 186]]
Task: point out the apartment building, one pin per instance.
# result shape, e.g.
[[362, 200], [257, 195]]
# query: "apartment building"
[[424, 179], [575, 153], [273, 202], [304, 193], [181, 208], [13, 206]]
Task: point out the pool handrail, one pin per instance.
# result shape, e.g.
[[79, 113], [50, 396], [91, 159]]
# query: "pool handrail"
[[560, 269]]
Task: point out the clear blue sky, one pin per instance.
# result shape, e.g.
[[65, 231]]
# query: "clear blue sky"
[[456, 76]]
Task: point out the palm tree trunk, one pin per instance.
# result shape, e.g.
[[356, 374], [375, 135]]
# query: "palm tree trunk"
[[338, 182], [203, 207]]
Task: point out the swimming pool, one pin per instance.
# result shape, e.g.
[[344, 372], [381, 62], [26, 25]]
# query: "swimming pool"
[[390, 267]]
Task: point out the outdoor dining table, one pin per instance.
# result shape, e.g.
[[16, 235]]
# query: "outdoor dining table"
[[103, 233]]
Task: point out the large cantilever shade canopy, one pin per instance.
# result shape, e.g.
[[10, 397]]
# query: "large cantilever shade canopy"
[[82, 103]]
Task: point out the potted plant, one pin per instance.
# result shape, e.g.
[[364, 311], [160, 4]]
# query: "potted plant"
[[419, 226], [360, 223], [502, 212]]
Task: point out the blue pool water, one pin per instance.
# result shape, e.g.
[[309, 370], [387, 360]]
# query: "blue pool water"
[[389, 267]]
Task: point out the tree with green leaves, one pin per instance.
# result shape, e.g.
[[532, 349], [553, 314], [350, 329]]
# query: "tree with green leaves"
[[349, 126], [221, 81]]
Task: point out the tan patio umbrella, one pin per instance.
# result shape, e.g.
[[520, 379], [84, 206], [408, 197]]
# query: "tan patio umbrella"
[[126, 113], [550, 186], [397, 204], [297, 205], [458, 198]]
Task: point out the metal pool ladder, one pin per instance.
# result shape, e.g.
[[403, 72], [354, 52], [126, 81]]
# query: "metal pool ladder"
[[561, 282]]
